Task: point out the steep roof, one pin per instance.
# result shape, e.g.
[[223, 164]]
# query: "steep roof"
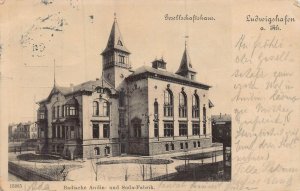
[[115, 40], [164, 74], [185, 64], [86, 86]]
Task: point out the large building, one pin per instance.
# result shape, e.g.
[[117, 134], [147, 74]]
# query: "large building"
[[146, 111]]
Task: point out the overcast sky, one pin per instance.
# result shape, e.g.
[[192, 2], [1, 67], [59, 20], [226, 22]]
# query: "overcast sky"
[[74, 34]]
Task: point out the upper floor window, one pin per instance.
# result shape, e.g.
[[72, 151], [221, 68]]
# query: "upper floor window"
[[53, 112], [122, 99], [105, 109], [106, 130], [95, 131], [155, 110], [72, 110], [42, 115], [57, 112], [122, 59], [195, 106], [95, 108], [183, 130], [182, 105], [204, 120], [168, 103]]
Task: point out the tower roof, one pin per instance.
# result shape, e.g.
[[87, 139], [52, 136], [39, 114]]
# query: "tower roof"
[[115, 40], [185, 64]]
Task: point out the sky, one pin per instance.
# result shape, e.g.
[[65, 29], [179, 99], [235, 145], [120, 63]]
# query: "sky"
[[73, 33]]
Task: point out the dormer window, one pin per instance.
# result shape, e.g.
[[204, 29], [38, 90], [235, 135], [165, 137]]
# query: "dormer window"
[[122, 59]]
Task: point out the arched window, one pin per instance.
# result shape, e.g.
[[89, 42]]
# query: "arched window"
[[104, 108], [172, 146], [204, 120], [155, 110], [168, 103], [186, 145], [107, 150], [182, 105], [96, 151], [195, 106], [95, 108]]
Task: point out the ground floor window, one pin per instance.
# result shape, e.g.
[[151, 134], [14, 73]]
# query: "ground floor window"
[[198, 143], [96, 151], [107, 150], [168, 130], [183, 131], [195, 145], [156, 130], [137, 131], [167, 147], [95, 131], [106, 130], [186, 145], [181, 145], [196, 129], [172, 146]]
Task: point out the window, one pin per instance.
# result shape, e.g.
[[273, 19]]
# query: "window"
[[155, 110], [196, 129], [198, 143], [42, 115], [168, 130], [168, 103], [195, 106], [183, 131], [204, 120], [186, 145], [95, 108], [172, 146], [53, 131], [122, 59], [106, 130], [72, 132], [58, 132], [95, 131], [104, 111], [137, 130], [182, 105], [63, 111], [53, 113], [156, 130], [96, 151], [192, 76], [122, 99], [63, 132], [57, 112], [167, 147], [122, 119], [195, 144], [72, 110], [107, 150], [181, 145]]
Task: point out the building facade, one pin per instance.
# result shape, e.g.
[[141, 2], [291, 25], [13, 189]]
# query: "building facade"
[[146, 111], [22, 132]]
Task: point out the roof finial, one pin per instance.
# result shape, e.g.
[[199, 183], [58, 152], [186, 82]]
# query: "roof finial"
[[115, 16], [185, 42], [54, 81]]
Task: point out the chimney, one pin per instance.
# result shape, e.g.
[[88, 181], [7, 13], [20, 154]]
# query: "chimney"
[[97, 79], [220, 115]]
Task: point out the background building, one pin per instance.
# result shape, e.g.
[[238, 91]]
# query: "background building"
[[146, 111]]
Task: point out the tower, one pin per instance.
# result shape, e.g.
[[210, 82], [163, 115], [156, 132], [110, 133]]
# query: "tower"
[[186, 68], [115, 58]]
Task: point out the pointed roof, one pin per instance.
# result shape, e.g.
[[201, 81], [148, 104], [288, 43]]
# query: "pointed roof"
[[185, 64], [115, 40]]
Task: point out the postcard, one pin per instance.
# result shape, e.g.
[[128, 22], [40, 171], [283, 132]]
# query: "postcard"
[[149, 95]]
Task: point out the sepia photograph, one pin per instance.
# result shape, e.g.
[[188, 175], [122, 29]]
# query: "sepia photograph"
[[149, 95]]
